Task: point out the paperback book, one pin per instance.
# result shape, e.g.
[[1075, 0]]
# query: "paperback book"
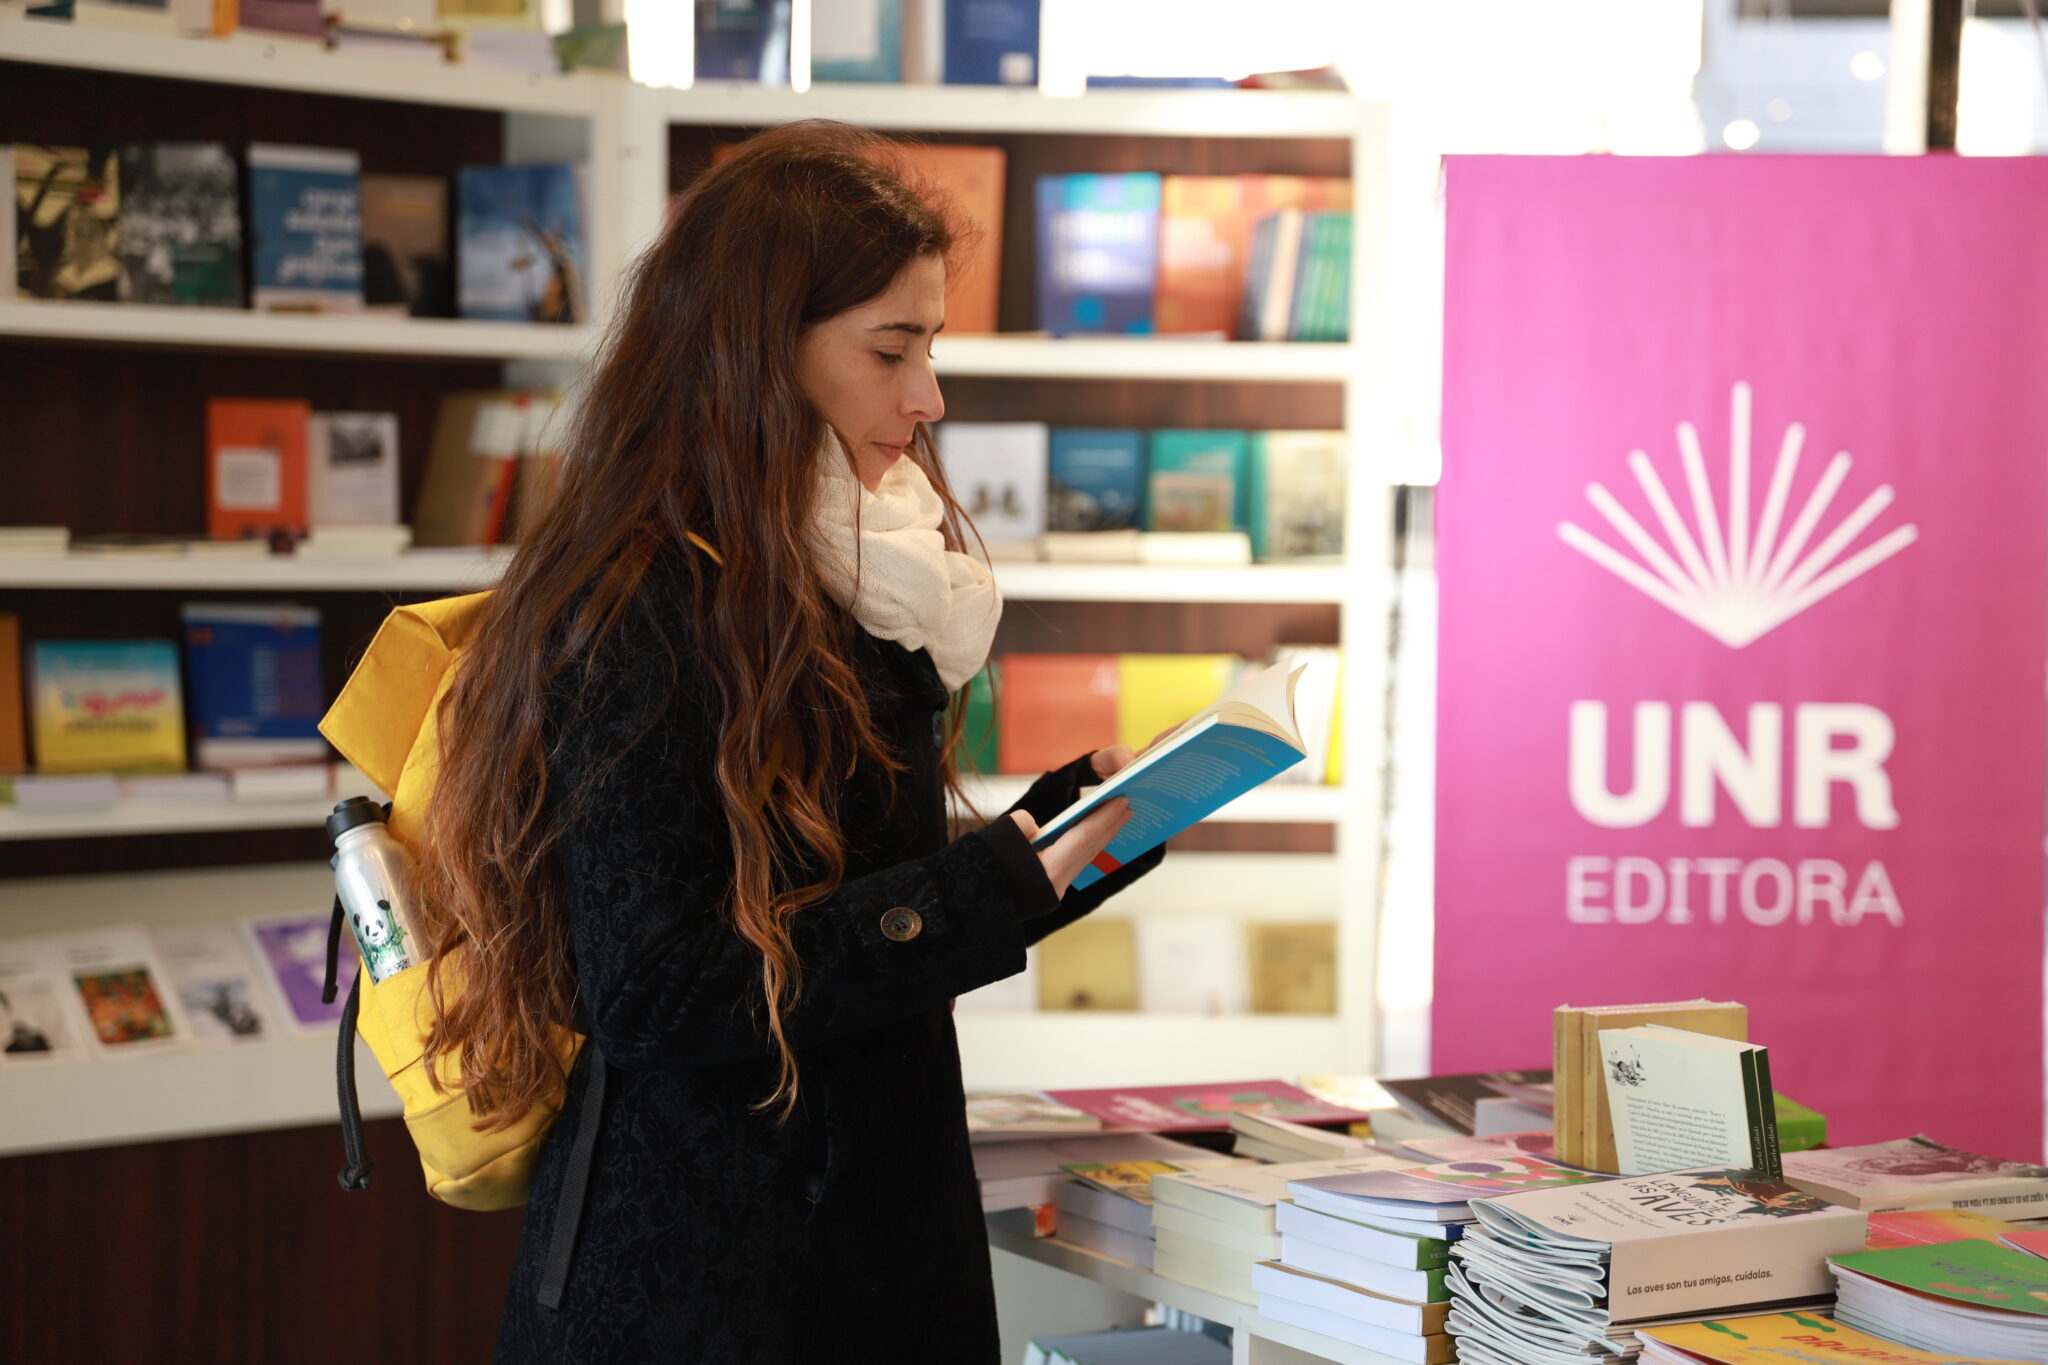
[[181, 224], [256, 695], [997, 1118], [128, 1003], [67, 222], [405, 246], [1474, 1104], [1096, 479], [1784, 1339], [1683, 1100], [106, 706], [1098, 253], [210, 970], [520, 254], [1206, 1107], [352, 469], [1920, 1173], [305, 229], [1975, 1297], [997, 471], [293, 950]]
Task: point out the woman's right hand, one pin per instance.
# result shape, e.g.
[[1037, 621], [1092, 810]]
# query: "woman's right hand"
[[1065, 856]]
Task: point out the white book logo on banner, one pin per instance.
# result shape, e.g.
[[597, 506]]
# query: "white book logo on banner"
[[1739, 585]]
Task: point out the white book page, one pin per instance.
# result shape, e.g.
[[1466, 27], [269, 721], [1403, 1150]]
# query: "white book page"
[[1677, 1106], [217, 982], [40, 1020]]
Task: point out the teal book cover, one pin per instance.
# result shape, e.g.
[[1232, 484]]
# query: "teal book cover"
[[1196, 481]]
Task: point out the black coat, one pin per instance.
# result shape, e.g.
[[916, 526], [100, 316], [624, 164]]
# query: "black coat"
[[711, 1232]]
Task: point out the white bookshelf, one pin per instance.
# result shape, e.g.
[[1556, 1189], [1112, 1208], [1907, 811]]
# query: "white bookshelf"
[[622, 132]]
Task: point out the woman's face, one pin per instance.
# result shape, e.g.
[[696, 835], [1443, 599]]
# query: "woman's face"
[[868, 371]]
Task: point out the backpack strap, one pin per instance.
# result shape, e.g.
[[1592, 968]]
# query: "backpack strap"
[[576, 1178]]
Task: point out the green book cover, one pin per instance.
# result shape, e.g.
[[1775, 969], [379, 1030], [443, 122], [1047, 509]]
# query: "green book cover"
[[1333, 319], [1195, 481], [977, 752], [1986, 1274], [1799, 1129]]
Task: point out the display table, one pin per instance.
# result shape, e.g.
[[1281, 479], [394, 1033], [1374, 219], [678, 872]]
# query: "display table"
[[1255, 1340]]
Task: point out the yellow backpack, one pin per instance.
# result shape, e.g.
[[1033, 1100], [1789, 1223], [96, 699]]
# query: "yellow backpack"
[[384, 723]]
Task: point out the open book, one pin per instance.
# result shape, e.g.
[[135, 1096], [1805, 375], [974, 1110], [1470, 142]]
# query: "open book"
[[1247, 737]]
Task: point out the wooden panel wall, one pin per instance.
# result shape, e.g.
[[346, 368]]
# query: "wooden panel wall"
[[243, 1250]]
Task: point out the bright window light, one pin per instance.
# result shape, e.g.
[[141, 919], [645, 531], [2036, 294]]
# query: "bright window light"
[[1741, 135]]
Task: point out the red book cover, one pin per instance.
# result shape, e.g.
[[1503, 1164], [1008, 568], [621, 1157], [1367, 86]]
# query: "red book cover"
[[1205, 233], [1201, 1107], [256, 467], [1052, 708]]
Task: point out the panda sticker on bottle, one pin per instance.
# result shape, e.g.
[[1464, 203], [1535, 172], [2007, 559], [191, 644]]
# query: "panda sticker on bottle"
[[373, 878]]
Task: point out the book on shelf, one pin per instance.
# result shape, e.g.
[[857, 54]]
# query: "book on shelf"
[[352, 468], [1318, 697], [67, 220], [181, 225], [183, 788], [256, 468], [1237, 743], [1160, 1345], [292, 948], [1098, 253], [1053, 708], [406, 268], [1476, 1105], [1201, 1107], [1090, 964], [1190, 964], [1400, 1251], [1096, 479], [991, 42], [305, 228], [860, 42], [1584, 1122], [743, 40], [281, 18], [997, 471], [63, 791], [215, 979], [1304, 1251], [1920, 1173], [254, 694], [1294, 494], [9, 255], [972, 177], [1001, 1118], [1781, 1339], [1683, 1100], [1925, 1227], [1297, 278], [1201, 248], [127, 998], [41, 1017], [1276, 1281], [13, 700], [1646, 1247], [520, 251], [278, 782], [34, 540], [531, 50], [1079, 1199], [1292, 968], [1105, 1239], [979, 728], [485, 443], [106, 705], [1974, 1297], [1194, 480], [354, 544], [1157, 692]]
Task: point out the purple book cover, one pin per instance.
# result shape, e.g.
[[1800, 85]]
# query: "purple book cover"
[[1453, 1182], [294, 947], [1193, 1108]]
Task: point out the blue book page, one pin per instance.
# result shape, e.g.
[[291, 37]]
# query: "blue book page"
[[1184, 784]]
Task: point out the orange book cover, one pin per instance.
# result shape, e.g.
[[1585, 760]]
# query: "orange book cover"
[[1053, 708], [256, 467], [1202, 235], [13, 722], [973, 176]]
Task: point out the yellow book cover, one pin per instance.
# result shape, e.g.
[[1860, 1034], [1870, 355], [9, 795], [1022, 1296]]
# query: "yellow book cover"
[[1089, 965], [107, 705], [1156, 692], [1795, 1337], [1293, 968]]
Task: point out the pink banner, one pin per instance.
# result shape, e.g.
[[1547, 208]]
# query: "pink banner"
[[1741, 555]]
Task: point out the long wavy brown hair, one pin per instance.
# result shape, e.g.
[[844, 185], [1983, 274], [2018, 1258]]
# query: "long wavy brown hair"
[[690, 422]]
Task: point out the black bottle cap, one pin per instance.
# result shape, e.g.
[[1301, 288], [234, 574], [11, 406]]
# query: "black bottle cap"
[[357, 810]]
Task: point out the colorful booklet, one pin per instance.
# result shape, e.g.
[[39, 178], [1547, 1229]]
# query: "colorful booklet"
[[106, 705], [126, 994], [1440, 1193], [1199, 1108], [1971, 1297], [41, 1019], [1920, 1173], [294, 948], [1793, 1338], [1245, 739]]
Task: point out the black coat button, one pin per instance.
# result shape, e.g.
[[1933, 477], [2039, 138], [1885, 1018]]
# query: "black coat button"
[[902, 924]]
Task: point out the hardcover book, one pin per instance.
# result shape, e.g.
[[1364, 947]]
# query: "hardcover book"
[[256, 695], [305, 229], [181, 224], [106, 705], [997, 473], [1202, 236], [1241, 741], [1194, 480], [1097, 479], [1684, 1100], [1098, 253], [520, 253], [1920, 1173], [256, 468], [991, 42], [405, 246], [67, 218]]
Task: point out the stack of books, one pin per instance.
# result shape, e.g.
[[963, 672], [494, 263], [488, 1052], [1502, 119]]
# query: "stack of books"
[[1213, 1227], [1973, 1296], [1575, 1270], [1113, 1222], [1266, 1138], [1026, 1174], [1920, 1173]]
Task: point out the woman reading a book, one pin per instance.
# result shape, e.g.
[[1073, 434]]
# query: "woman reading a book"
[[693, 796]]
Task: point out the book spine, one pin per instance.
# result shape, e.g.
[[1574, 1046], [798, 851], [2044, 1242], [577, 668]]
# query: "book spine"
[[1759, 1159], [1565, 1080], [1764, 1114]]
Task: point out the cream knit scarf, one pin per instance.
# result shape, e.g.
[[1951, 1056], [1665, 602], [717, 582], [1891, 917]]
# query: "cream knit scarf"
[[885, 560]]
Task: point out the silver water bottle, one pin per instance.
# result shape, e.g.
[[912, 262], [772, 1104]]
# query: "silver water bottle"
[[373, 878]]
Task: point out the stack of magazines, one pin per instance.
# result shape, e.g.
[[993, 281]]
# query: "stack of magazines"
[[1975, 1296], [1565, 1276]]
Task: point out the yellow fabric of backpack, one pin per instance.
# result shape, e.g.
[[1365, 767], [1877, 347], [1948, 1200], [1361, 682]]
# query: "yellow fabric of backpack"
[[384, 723]]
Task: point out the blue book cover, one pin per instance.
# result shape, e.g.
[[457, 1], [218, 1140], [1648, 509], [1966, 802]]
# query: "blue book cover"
[[305, 228], [1244, 740], [1195, 481], [854, 41], [1098, 253], [254, 692], [743, 40], [991, 42], [1098, 479], [519, 250]]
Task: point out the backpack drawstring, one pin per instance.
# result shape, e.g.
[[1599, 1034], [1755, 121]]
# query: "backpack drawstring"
[[356, 1174]]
